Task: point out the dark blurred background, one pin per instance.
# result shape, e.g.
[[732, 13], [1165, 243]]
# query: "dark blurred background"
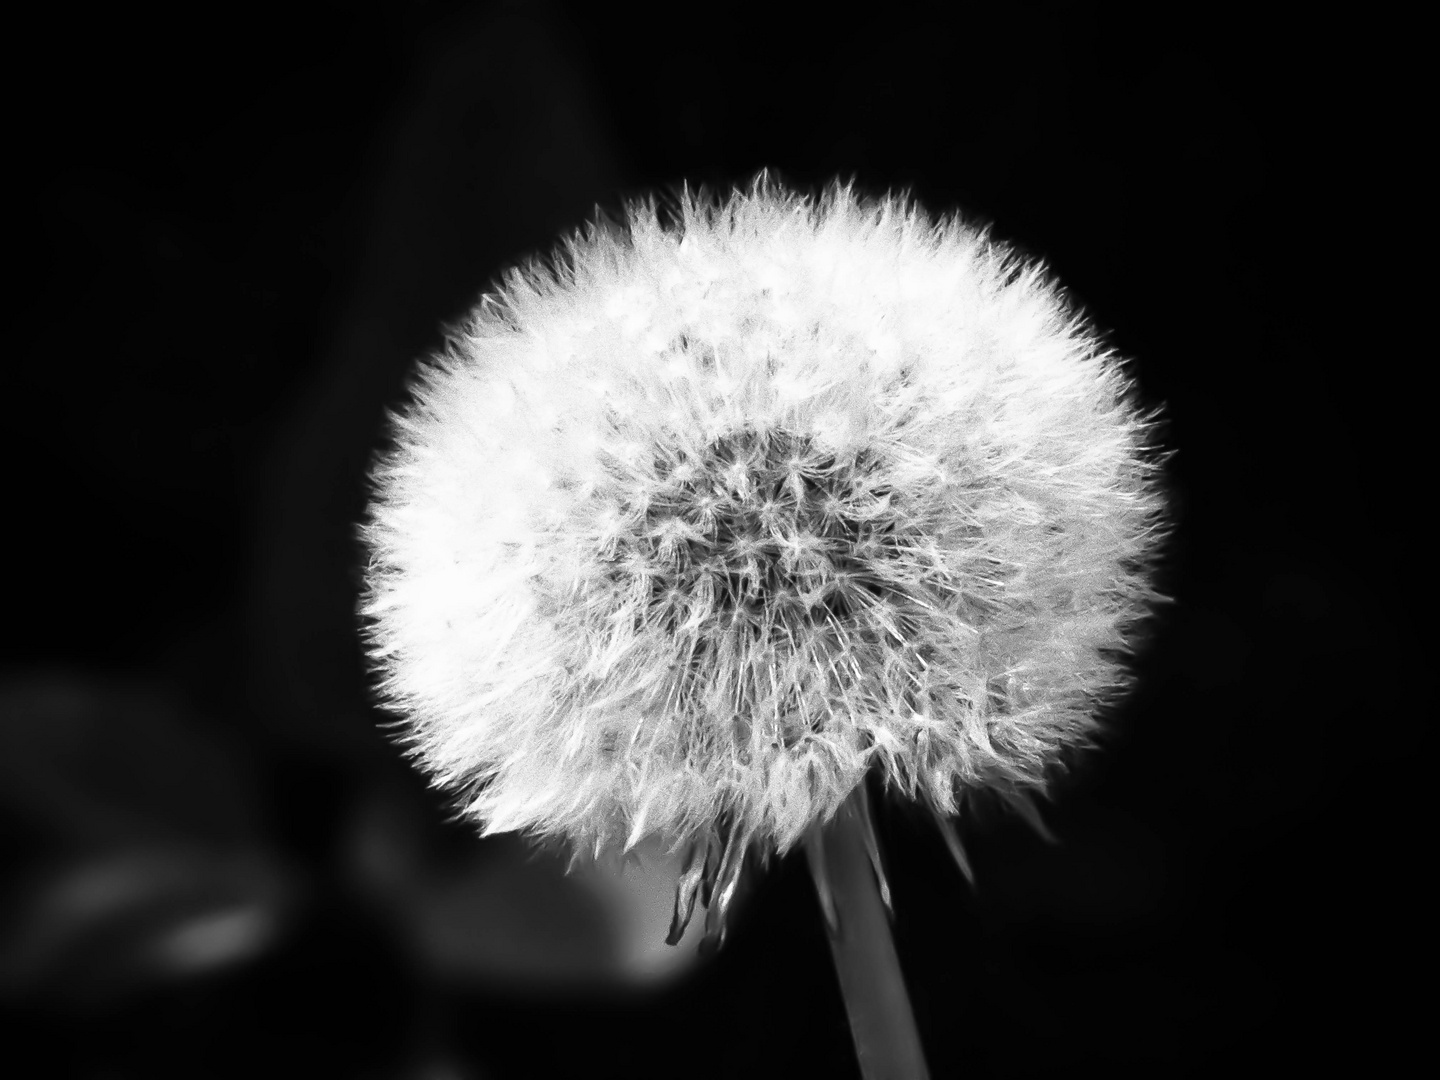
[[239, 226]]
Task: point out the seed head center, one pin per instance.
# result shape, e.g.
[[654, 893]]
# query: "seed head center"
[[765, 528]]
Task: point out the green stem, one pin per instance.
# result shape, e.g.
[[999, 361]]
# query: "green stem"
[[887, 1042]]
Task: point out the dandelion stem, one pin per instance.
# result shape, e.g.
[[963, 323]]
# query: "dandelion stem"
[[887, 1042]]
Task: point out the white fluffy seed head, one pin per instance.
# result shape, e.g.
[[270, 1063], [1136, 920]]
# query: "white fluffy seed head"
[[702, 520]]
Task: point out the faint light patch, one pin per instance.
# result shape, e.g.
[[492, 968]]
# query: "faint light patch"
[[117, 923], [638, 895], [217, 938]]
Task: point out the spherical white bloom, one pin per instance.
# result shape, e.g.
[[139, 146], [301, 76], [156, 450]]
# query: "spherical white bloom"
[[695, 524]]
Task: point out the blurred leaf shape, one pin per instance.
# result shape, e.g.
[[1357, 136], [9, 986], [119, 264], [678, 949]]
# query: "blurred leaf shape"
[[133, 823], [503, 912], [112, 923]]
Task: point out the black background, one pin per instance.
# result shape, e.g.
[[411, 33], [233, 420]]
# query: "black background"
[[238, 228]]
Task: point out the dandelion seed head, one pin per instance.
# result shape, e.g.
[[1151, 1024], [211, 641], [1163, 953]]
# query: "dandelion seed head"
[[700, 521]]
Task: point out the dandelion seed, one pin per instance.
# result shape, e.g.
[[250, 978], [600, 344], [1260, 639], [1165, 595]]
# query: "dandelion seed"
[[695, 525]]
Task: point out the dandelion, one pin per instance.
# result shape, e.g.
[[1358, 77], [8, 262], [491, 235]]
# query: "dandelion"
[[696, 524]]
